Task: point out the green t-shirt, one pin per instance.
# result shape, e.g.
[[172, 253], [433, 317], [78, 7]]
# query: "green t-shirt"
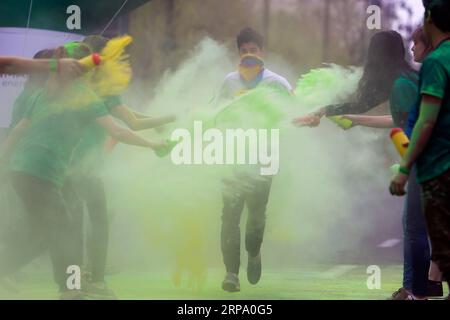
[[434, 81], [46, 148], [403, 98], [20, 106], [88, 155]]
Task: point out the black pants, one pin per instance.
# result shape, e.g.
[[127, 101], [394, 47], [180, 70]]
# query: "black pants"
[[48, 227], [89, 191], [436, 201], [256, 202]]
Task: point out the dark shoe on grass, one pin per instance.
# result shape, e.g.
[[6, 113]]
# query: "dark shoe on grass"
[[231, 283], [254, 268]]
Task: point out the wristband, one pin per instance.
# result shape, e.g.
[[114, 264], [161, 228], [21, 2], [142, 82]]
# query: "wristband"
[[53, 64], [404, 170]]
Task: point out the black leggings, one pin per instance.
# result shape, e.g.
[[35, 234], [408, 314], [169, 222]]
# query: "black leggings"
[[47, 227], [89, 191]]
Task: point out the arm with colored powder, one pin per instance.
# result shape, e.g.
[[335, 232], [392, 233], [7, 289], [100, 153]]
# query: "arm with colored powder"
[[139, 115], [128, 116], [313, 119], [15, 65], [429, 112], [360, 107], [382, 122], [127, 136]]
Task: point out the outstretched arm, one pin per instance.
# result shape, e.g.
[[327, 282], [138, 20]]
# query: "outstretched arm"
[[128, 116], [14, 65], [382, 122], [352, 107], [125, 135], [313, 119]]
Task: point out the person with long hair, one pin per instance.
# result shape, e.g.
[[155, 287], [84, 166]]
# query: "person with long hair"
[[429, 148], [416, 249], [385, 64], [388, 77]]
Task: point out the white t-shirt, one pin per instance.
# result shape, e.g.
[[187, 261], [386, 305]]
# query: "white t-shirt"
[[233, 85]]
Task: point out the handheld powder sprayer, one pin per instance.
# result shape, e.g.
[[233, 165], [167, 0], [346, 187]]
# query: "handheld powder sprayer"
[[113, 49], [401, 142]]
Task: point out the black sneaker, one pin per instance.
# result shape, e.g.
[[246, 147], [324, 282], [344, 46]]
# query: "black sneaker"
[[435, 289], [231, 283], [254, 268]]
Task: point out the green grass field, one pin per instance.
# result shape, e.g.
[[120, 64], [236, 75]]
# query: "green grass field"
[[323, 282]]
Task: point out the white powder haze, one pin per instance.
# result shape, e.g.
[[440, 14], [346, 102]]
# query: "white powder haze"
[[328, 195]]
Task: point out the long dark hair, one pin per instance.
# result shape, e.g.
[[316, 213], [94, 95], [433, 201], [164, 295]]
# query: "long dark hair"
[[386, 60]]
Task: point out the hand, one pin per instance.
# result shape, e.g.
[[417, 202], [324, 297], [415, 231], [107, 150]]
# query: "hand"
[[311, 121], [70, 68], [397, 187], [164, 148], [160, 144]]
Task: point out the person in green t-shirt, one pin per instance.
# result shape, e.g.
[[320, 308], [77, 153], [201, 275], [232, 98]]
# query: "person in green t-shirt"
[[33, 83], [38, 151], [429, 148], [85, 188], [397, 84]]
